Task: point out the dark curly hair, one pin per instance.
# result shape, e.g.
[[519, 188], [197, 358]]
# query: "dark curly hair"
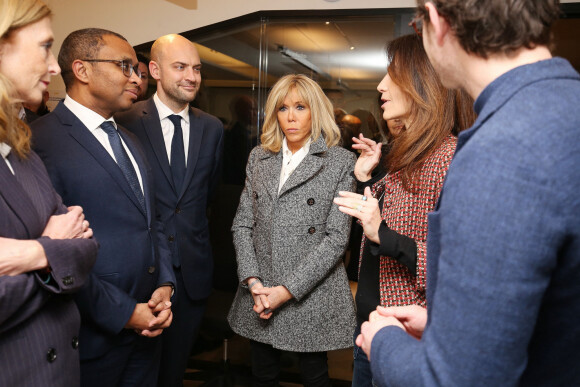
[[485, 27]]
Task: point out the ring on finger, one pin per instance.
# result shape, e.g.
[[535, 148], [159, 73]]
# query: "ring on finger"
[[364, 198]]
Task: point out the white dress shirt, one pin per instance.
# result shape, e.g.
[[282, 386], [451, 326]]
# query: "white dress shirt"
[[5, 151], [93, 121], [167, 127], [291, 161]]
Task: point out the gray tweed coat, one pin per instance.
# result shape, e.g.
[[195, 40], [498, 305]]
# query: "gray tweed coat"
[[296, 239]]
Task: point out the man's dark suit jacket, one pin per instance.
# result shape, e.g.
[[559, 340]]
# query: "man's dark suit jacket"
[[39, 322], [133, 258], [183, 213]]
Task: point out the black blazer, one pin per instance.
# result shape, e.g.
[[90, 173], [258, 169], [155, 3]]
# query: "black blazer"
[[39, 322], [183, 213], [133, 258]]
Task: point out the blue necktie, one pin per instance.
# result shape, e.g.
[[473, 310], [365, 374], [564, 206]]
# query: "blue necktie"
[[123, 161], [177, 161]]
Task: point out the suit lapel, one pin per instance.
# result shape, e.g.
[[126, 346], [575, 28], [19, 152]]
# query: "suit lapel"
[[196, 130], [311, 164], [85, 138], [152, 127], [16, 197]]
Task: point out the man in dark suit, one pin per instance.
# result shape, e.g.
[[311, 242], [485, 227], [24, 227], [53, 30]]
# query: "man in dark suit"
[[94, 163], [184, 147]]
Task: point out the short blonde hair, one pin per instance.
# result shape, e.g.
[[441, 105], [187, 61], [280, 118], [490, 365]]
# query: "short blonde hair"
[[15, 14], [321, 112]]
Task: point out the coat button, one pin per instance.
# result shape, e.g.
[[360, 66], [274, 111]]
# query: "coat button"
[[311, 230], [255, 195], [177, 210], [68, 280], [170, 238], [75, 342], [310, 201], [151, 270], [51, 355]]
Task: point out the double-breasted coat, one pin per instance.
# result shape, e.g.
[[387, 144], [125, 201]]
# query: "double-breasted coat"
[[295, 238], [39, 321]]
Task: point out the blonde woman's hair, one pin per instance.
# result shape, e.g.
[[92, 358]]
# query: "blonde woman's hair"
[[321, 112], [15, 14]]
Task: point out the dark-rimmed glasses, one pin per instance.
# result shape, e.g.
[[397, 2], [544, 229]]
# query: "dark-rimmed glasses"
[[127, 67], [417, 24]]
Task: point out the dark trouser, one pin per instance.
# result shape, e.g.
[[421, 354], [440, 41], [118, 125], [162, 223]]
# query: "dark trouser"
[[180, 336], [361, 375], [266, 366], [130, 365]]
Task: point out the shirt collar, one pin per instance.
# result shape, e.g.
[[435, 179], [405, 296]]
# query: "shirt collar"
[[91, 119], [5, 149], [286, 152], [164, 111]]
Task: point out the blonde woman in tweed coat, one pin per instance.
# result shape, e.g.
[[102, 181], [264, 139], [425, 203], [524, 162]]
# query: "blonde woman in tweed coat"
[[289, 237], [421, 115]]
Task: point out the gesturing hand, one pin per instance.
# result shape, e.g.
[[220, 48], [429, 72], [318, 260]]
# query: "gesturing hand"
[[363, 207], [412, 317], [369, 157], [369, 329]]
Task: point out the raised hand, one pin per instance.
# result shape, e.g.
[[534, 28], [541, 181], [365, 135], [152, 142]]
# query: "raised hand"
[[369, 157], [363, 207]]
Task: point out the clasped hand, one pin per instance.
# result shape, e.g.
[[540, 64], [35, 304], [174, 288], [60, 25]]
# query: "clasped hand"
[[412, 319], [268, 299], [149, 319], [22, 256]]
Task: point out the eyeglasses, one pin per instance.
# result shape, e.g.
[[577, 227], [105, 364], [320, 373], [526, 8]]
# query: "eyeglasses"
[[417, 24], [126, 66]]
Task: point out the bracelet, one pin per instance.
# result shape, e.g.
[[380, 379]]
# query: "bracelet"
[[253, 283]]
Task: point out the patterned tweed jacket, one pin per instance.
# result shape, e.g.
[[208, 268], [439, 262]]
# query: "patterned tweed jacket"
[[296, 238], [406, 213]]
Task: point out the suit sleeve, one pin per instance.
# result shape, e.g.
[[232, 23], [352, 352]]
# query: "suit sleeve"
[[23, 295], [322, 259], [166, 274], [495, 261], [105, 305]]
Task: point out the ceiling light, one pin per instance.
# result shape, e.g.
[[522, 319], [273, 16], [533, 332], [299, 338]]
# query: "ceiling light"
[[301, 58]]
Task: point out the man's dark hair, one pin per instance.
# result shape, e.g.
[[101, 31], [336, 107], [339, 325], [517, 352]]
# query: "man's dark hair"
[[81, 44], [486, 27]]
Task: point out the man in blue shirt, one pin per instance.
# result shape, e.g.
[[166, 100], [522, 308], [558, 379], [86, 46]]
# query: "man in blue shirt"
[[503, 278]]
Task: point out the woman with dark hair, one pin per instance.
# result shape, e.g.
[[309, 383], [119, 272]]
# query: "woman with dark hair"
[[289, 237], [398, 195], [45, 249]]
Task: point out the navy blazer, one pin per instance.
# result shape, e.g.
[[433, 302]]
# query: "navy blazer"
[[39, 322], [133, 258], [183, 213]]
